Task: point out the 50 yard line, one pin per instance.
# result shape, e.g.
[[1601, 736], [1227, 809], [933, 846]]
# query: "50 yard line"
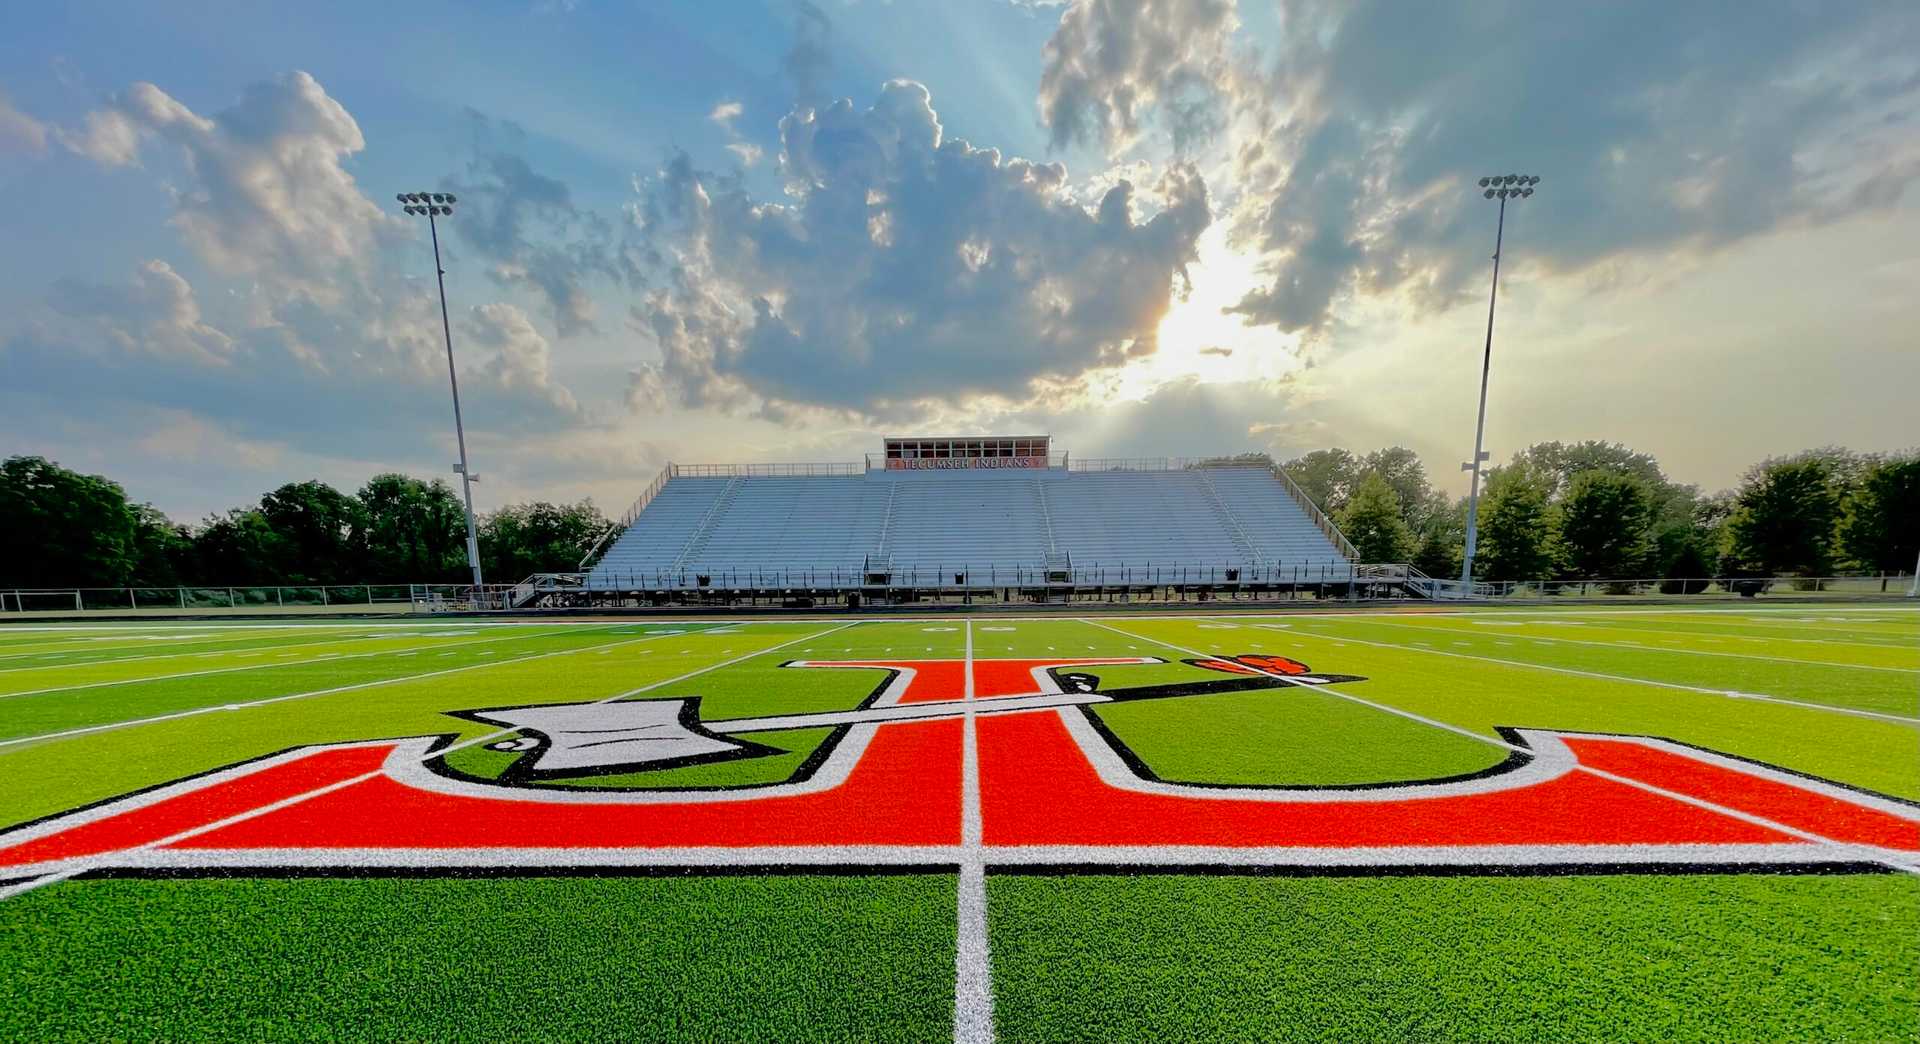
[[972, 955]]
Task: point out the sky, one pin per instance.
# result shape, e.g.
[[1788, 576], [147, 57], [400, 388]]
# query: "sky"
[[746, 232]]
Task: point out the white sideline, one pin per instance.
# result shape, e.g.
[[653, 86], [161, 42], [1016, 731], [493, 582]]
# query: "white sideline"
[[1643, 647], [214, 708], [1724, 693], [1850, 852], [972, 956], [81, 866]]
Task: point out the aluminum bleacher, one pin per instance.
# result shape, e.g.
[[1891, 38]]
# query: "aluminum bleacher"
[[844, 526]]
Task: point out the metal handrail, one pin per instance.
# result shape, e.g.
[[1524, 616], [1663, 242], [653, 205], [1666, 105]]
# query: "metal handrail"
[[633, 511], [823, 470]]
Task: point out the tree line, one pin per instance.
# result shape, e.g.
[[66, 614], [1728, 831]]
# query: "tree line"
[[1598, 510], [64, 529]]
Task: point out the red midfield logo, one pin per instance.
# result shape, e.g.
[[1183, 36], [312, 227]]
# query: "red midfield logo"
[[1056, 788]]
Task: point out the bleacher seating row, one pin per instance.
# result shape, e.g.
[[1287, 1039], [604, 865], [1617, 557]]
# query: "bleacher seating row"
[[994, 526]]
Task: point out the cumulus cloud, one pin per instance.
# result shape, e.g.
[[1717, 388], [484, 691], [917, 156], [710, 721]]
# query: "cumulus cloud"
[[520, 358], [525, 223], [155, 313], [1113, 66], [1657, 129], [311, 335], [268, 195], [905, 267], [20, 132]]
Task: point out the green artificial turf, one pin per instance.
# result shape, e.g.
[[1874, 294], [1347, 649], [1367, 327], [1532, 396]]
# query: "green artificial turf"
[[1457, 958], [52, 776], [1481, 696], [1286, 737], [617, 959]]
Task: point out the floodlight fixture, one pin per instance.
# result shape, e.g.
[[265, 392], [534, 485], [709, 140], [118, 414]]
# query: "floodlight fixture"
[[431, 205], [1502, 187]]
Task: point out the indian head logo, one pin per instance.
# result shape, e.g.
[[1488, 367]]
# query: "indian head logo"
[[565, 788]]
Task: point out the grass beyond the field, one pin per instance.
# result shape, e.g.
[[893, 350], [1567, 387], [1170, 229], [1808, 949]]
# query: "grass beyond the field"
[[721, 958], [1457, 958]]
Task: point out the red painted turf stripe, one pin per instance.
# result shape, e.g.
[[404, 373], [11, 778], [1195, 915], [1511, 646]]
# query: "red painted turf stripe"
[[1783, 803], [905, 791], [209, 804], [1037, 789]]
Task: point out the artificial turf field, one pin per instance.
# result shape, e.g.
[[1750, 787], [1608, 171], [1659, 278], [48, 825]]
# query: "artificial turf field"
[[1517, 824]]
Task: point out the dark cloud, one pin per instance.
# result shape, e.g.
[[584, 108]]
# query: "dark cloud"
[[1113, 65], [1656, 128], [904, 267]]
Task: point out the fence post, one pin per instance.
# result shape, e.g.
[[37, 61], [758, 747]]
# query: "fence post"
[[130, 604], [280, 597], [369, 594], [232, 603]]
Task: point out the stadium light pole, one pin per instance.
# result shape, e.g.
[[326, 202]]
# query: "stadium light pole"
[[1501, 187], [429, 205]]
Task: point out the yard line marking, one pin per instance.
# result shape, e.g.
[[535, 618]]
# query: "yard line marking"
[[335, 640], [1642, 647], [972, 960], [1722, 636], [85, 864], [1727, 693], [296, 696], [1850, 851], [323, 658]]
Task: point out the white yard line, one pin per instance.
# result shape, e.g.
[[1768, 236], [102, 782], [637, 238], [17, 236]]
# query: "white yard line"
[[329, 658], [1643, 647], [1850, 852], [85, 864], [1738, 637], [1733, 694], [973, 960], [253, 651], [215, 708]]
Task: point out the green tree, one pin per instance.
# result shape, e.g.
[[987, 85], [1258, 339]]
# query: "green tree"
[[521, 539], [1371, 520], [1516, 534], [1880, 524], [1326, 476], [319, 530], [239, 547], [1606, 524], [163, 551], [1785, 515], [1402, 471], [1557, 463], [415, 531], [64, 529], [1442, 540]]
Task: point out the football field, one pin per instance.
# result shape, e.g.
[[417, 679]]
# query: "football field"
[[1580, 823]]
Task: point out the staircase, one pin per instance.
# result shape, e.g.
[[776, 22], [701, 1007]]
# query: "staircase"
[[1241, 542], [702, 531]]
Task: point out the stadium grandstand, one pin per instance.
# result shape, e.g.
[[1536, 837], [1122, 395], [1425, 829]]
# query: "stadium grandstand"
[[966, 514]]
